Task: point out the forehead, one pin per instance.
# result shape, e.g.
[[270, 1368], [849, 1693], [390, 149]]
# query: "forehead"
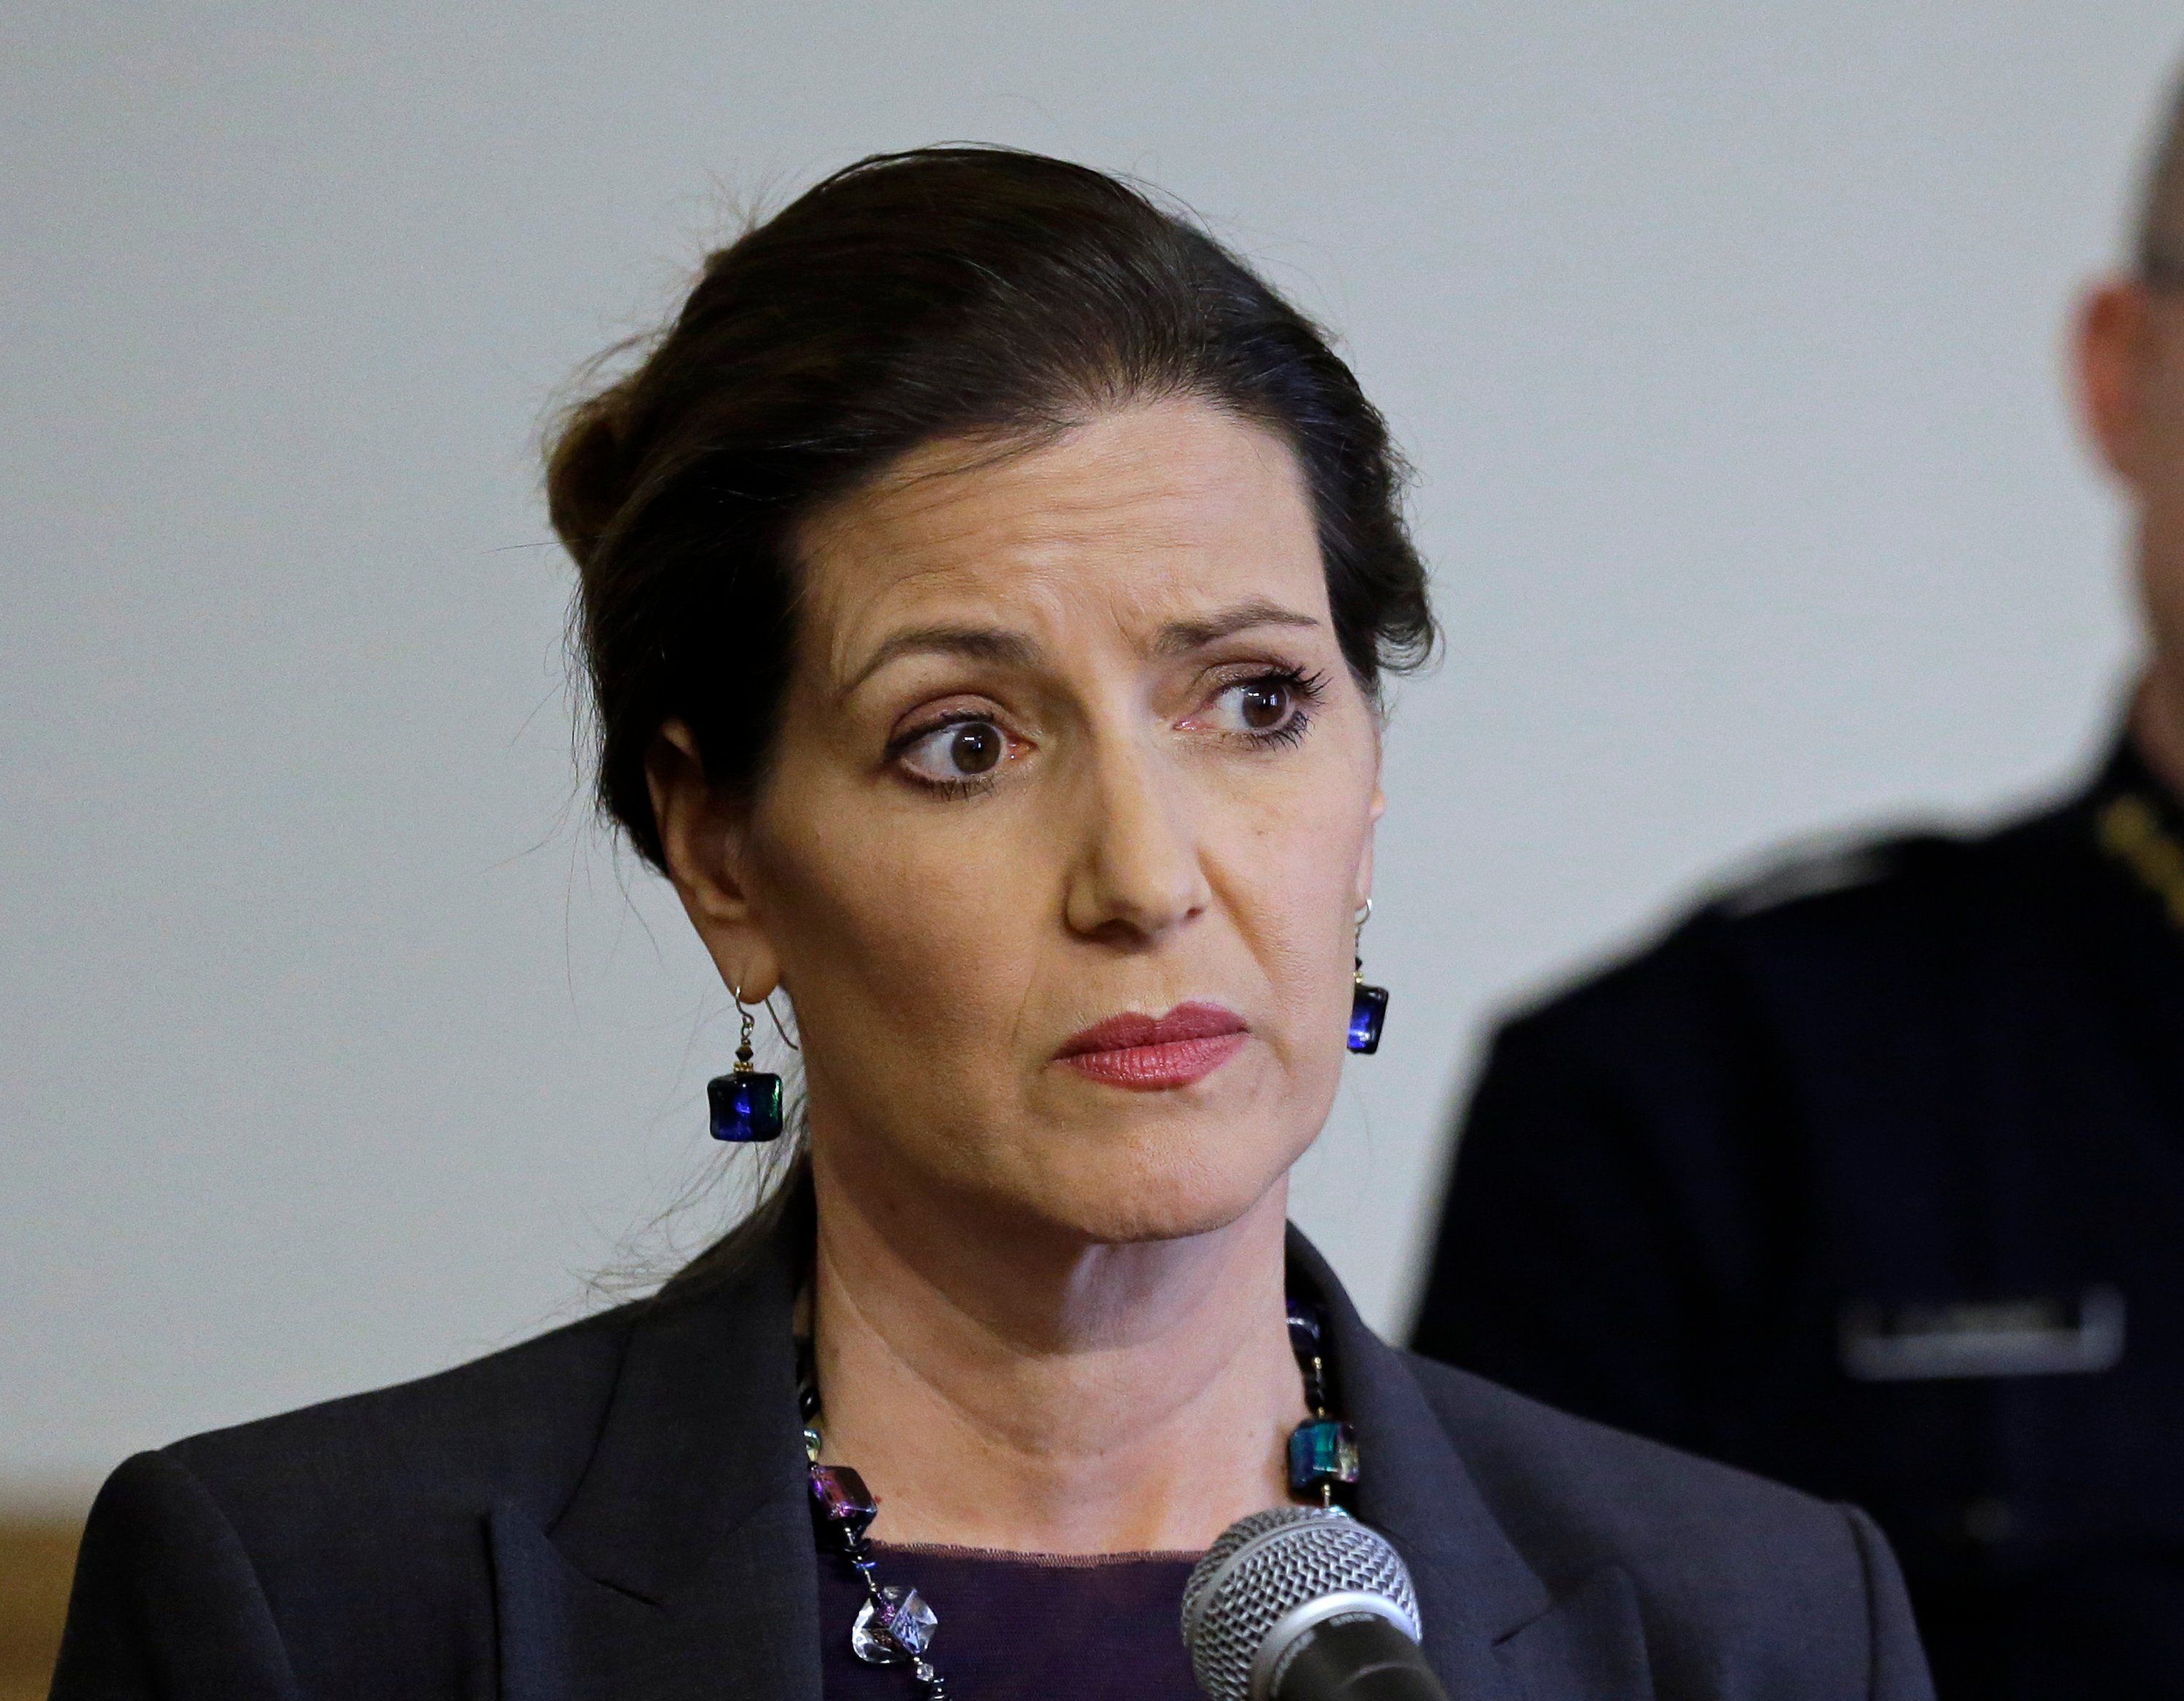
[[1127, 522]]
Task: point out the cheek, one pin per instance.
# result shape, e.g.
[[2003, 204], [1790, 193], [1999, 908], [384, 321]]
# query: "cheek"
[[1289, 873], [893, 937]]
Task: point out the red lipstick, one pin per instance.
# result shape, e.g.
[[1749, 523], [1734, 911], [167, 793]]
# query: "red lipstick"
[[1153, 1053]]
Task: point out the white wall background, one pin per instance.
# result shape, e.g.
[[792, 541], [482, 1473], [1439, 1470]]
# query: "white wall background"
[[335, 1045]]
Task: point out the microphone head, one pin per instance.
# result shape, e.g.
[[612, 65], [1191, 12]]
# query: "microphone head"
[[1274, 1575]]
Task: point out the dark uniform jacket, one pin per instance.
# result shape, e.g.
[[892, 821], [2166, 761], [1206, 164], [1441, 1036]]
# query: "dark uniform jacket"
[[1870, 1177], [620, 1509]]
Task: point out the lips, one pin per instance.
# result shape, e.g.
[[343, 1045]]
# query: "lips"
[[1156, 1053]]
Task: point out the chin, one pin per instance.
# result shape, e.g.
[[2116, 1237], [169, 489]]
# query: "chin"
[[1141, 1223], [1157, 1192]]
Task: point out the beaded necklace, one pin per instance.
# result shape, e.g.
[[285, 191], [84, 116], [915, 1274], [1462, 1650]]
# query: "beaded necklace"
[[896, 1626]]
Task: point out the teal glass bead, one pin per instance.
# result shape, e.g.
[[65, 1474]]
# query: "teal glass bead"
[[745, 1106], [1322, 1454]]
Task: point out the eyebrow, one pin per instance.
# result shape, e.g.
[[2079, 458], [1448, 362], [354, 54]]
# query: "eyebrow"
[[977, 643], [1007, 648], [1181, 637]]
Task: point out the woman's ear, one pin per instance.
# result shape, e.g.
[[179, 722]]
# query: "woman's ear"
[[1374, 809], [702, 839], [1363, 892], [2115, 354]]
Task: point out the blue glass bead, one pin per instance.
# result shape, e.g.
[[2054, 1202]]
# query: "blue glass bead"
[[1323, 1453], [841, 1501], [1368, 1009], [745, 1106]]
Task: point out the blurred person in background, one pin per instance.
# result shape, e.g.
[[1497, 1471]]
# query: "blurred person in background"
[[1869, 1176]]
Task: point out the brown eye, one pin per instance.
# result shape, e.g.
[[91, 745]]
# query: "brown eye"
[[960, 750], [1271, 708], [976, 747], [1264, 704]]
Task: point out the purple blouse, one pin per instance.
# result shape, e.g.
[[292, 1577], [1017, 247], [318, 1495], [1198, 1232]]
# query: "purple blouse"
[[1099, 1627]]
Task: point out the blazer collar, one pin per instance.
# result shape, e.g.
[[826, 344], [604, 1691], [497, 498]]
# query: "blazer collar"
[[1493, 1627], [702, 1433], [684, 1564]]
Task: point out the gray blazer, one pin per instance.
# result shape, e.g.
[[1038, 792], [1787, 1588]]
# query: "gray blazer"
[[618, 1510]]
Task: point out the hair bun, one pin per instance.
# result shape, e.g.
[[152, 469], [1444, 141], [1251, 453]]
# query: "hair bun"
[[587, 473]]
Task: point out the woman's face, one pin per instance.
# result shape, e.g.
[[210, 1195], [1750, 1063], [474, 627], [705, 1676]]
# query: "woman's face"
[[1069, 743]]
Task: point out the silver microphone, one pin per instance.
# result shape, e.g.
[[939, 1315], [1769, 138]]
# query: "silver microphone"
[[1304, 1603]]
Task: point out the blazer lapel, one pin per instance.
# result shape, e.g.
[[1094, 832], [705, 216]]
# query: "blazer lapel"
[[1494, 1630], [684, 1564], [1591, 1643]]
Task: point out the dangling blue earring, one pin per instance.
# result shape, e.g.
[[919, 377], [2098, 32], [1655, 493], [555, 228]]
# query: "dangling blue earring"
[[1369, 1005], [746, 1102]]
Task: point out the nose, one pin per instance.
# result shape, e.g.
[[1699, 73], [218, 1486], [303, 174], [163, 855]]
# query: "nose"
[[1137, 872]]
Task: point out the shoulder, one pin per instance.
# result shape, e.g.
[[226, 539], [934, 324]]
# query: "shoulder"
[[1733, 1574], [1810, 929], [511, 1428], [1853, 894], [354, 1496], [1689, 1036], [270, 1551]]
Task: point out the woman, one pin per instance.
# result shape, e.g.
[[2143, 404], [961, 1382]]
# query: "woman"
[[986, 585]]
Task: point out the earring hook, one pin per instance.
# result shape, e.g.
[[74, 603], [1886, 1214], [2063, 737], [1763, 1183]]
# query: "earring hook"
[[736, 992], [743, 1045]]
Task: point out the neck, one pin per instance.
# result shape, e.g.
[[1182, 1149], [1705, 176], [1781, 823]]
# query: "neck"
[[1037, 1394], [2157, 722]]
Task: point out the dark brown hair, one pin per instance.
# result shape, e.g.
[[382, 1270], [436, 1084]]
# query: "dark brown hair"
[[959, 292]]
